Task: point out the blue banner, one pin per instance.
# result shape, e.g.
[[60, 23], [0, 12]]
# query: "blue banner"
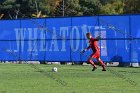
[[63, 39]]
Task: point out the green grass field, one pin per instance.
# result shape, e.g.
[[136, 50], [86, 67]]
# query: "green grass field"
[[25, 78]]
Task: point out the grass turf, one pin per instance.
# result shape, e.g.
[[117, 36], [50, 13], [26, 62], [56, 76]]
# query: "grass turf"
[[26, 78]]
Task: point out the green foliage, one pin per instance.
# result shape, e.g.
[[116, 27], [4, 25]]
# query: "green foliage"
[[7, 4], [90, 7], [68, 7], [132, 6], [26, 8], [72, 7], [113, 8]]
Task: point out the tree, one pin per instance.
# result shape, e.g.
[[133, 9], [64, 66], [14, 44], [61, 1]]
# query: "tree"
[[131, 6], [90, 7], [48, 6], [7, 7], [27, 7], [70, 8], [115, 7], [14, 9]]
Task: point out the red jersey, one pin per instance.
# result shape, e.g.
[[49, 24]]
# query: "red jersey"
[[93, 44]]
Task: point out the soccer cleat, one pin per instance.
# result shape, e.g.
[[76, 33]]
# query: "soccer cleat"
[[94, 68], [103, 69]]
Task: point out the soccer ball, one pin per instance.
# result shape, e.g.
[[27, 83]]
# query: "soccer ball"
[[54, 69]]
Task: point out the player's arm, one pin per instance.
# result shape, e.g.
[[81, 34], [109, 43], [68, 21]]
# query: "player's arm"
[[86, 49], [98, 38]]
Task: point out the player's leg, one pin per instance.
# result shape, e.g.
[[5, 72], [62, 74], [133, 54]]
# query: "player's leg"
[[97, 56], [102, 63], [91, 62]]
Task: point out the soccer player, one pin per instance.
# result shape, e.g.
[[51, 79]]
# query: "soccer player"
[[93, 44]]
